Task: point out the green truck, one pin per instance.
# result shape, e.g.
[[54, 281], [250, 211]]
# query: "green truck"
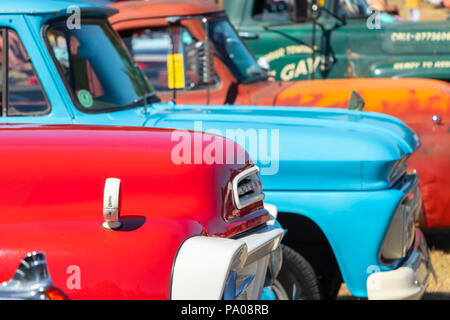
[[305, 39]]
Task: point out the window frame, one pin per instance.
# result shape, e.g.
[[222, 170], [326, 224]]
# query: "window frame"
[[5, 77], [60, 72], [168, 30]]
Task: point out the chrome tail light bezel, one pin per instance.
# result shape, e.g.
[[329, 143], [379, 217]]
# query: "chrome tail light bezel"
[[249, 193], [31, 281]]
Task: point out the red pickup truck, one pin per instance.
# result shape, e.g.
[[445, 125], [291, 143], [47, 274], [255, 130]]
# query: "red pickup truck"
[[166, 230], [224, 72]]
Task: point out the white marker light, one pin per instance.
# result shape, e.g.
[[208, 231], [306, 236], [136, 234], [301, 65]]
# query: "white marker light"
[[111, 204]]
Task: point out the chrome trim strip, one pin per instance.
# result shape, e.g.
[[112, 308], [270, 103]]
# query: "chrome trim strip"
[[412, 181], [398, 170]]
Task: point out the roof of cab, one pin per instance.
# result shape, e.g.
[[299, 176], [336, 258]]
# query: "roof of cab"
[[163, 8], [44, 7]]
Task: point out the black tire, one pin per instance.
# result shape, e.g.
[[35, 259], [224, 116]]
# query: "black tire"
[[297, 279], [330, 285]]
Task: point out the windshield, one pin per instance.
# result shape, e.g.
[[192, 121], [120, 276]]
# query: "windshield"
[[273, 10], [96, 67], [281, 11], [234, 53], [351, 8]]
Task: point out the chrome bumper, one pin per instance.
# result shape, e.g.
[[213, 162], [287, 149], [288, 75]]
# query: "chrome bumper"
[[212, 268], [263, 255], [408, 281]]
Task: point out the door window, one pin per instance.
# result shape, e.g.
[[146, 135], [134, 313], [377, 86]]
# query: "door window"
[[24, 93], [152, 47]]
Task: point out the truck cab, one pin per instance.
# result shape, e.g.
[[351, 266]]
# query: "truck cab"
[[340, 39]]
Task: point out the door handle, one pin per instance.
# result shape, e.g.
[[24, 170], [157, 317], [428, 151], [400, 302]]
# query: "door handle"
[[248, 35]]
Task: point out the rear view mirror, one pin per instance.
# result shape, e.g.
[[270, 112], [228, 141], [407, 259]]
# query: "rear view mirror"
[[264, 64]]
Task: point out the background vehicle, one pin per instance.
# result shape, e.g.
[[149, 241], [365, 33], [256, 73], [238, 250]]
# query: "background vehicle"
[[148, 30], [348, 41], [338, 177], [181, 236]]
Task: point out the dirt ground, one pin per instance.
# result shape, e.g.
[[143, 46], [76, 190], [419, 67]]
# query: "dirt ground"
[[439, 243], [427, 11]]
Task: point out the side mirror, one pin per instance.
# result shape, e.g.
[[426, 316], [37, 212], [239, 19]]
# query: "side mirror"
[[264, 64], [248, 35], [204, 60], [356, 102]]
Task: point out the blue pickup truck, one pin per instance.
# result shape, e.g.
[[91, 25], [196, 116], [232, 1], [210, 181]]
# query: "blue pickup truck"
[[339, 178]]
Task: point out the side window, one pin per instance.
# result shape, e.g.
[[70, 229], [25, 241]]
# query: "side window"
[[150, 49], [76, 68], [25, 95]]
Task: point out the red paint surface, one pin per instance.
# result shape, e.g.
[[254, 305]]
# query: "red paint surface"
[[52, 196]]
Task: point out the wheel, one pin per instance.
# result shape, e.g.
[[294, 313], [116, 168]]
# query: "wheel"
[[296, 281]]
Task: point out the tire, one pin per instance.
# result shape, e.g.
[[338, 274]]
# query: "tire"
[[330, 286], [297, 279]]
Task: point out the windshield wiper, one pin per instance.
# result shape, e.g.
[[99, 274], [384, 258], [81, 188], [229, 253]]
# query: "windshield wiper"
[[143, 101], [256, 73], [146, 99]]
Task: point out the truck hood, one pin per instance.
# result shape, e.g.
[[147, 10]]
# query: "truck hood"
[[412, 100], [304, 148], [57, 173]]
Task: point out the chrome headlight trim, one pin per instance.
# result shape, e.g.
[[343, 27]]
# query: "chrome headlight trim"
[[398, 170], [400, 236]]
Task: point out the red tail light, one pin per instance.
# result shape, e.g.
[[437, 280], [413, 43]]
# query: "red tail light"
[[53, 293]]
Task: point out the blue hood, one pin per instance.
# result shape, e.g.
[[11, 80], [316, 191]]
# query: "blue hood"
[[319, 148]]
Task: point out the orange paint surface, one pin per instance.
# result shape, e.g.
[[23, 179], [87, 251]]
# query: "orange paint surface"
[[391, 96]]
